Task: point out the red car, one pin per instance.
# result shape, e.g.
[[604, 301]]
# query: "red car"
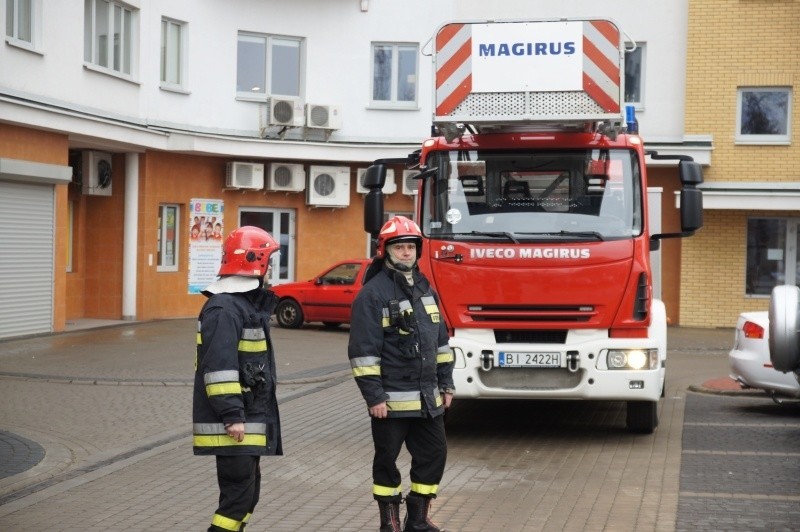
[[327, 297]]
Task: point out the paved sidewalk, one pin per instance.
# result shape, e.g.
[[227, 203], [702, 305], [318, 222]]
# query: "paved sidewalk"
[[94, 436]]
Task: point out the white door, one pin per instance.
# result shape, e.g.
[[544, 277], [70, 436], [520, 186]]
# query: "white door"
[[280, 223]]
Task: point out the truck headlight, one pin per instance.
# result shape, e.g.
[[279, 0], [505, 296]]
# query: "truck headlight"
[[632, 358]]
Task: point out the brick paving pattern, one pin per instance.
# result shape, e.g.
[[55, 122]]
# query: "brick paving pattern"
[[740, 465], [111, 409]]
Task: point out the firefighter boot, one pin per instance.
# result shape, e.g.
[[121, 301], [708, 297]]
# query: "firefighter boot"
[[417, 516], [390, 516]]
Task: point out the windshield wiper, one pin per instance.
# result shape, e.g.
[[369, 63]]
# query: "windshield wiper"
[[577, 234], [496, 234], [493, 234]]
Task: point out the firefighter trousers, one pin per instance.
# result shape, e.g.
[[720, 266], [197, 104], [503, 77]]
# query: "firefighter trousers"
[[239, 479], [425, 441]]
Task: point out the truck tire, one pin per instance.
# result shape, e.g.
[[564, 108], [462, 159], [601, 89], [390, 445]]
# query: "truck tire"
[[289, 314], [642, 416]]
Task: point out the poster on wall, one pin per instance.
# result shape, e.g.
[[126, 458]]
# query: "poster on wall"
[[205, 242]]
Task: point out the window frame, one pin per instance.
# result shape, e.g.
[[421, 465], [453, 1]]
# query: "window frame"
[[34, 13], [768, 139], [640, 103], [128, 52], [393, 102], [168, 55], [163, 239], [269, 40]]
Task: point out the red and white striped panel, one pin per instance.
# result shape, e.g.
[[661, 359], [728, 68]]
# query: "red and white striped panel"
[[601, 77], [453, 67]]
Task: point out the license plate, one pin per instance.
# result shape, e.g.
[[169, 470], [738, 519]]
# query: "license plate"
[[529, 360]]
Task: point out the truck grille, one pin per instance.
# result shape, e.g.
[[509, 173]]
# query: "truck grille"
[[522, 336], [532, 313]]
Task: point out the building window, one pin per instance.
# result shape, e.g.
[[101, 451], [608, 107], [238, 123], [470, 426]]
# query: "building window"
[[394, 75], [109, 40], [23, 23], [763, 115], [634, 75], [168, 220], [173, 35], [772, 257], [269, 65]]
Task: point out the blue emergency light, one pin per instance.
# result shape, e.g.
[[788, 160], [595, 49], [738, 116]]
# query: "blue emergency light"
[[630, 119]]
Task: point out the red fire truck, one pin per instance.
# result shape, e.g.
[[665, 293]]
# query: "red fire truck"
[[533, 203]]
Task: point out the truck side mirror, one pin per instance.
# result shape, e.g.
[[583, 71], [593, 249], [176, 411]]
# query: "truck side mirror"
[[691, 175], [690, 172], [691, 209], [375, 176], [374, 179]]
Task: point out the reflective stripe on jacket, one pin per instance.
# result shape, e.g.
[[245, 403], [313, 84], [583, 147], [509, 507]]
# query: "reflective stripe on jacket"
[[235, 376], [404, 366]]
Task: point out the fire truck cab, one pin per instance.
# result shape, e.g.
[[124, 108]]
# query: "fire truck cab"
[[533, 204]]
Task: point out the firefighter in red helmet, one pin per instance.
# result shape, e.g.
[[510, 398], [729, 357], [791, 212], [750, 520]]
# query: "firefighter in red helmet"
[[403, 365], [235, 410]]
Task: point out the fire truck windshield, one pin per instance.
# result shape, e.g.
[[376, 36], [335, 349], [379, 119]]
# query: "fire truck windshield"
[[523, 196]]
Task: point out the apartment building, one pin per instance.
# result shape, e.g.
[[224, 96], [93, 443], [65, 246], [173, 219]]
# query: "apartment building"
[[133, 135], [742, 70]]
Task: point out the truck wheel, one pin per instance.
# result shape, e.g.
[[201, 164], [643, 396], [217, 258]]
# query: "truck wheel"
[[642, 416], [289, 314]]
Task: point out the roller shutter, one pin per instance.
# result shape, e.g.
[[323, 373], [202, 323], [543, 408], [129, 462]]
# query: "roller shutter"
[[27, 235]]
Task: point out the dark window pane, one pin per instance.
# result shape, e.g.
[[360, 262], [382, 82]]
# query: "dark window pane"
[[764, 112], [382, 74], [633, 75], [101, 32], [251, 64], [407, 75], [766, 246], [285, 68]]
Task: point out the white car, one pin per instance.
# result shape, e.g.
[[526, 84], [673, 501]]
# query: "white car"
[[750, 362]]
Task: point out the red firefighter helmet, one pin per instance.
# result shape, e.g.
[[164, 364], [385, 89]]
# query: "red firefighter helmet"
[[399, 229], [246, 252]]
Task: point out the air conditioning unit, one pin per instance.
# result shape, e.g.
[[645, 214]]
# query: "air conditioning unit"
[[248, 176], [96, 169], [286, 112], [323, 116], [284, 177], [409, 184], [328, 186], [390, 187]]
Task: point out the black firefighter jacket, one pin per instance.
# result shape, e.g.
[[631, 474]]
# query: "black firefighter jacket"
[[398, 346], [235, 376]]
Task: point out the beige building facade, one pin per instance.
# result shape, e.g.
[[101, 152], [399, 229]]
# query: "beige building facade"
[[741, 87]]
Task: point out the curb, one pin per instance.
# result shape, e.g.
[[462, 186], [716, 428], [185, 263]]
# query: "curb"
[[701, 388], [727, 386]]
